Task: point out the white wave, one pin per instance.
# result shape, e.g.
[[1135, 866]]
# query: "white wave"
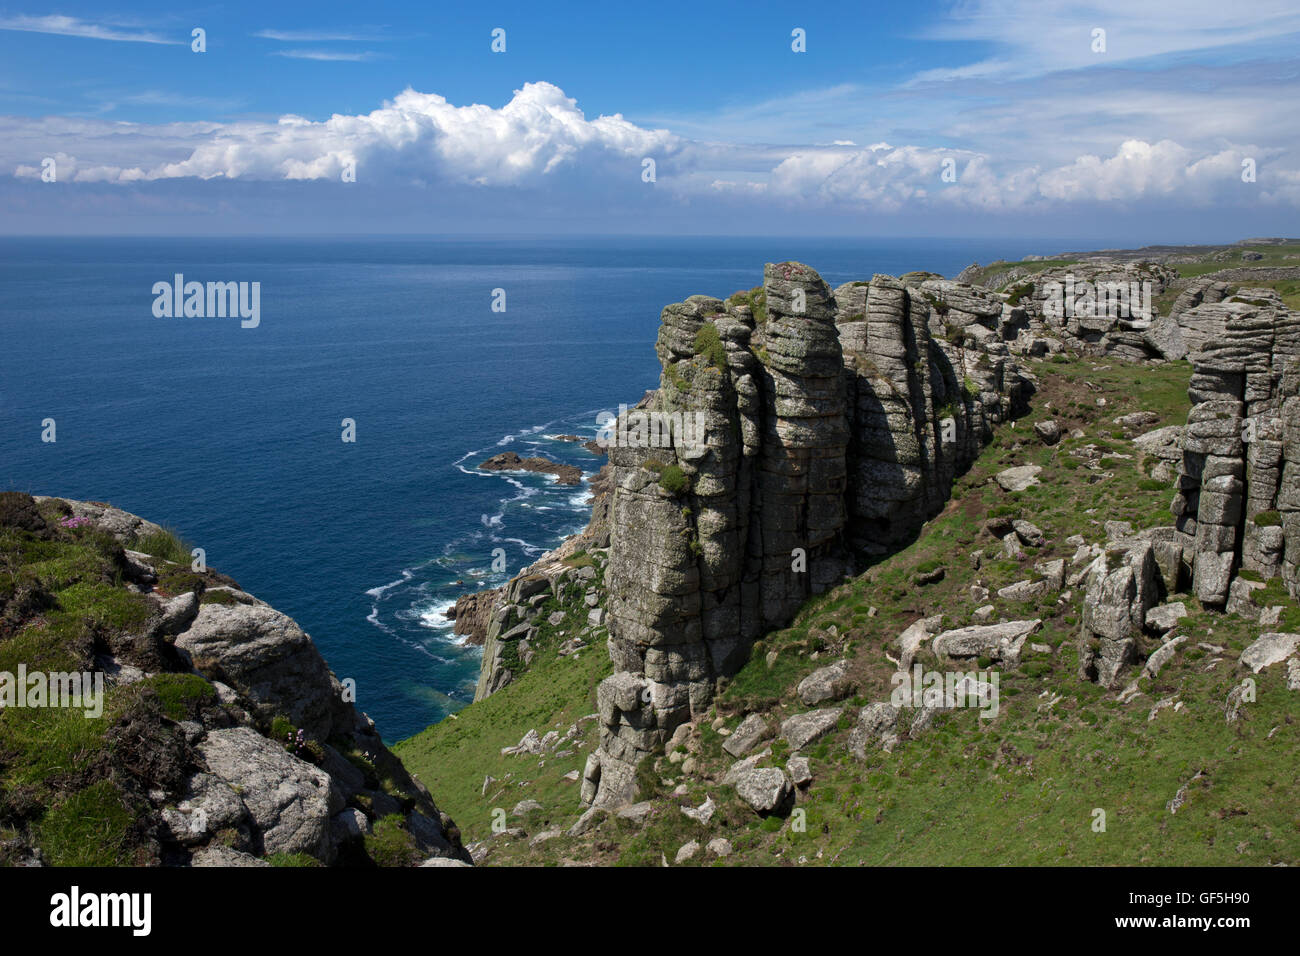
[[407, 574], [435, 617]]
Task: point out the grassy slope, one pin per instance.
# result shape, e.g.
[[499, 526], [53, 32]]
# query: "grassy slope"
[[62, 776], [1020, 789], [452, 757], [1273, 256]]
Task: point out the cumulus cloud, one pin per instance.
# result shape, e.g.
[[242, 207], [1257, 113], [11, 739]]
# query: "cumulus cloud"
[[419, 136], [541, 136], [1141, 170]]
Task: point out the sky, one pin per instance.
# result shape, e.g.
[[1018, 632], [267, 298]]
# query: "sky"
[[1135, 122]]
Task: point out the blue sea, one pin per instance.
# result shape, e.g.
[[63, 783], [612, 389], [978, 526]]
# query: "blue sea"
[[233, 436]]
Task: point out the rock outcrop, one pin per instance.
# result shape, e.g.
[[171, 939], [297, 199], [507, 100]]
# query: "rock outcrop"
[[1238, 495], [472, 614], [515, 611], [509, 461], [1103, 308], [795, 429], [257, 748]]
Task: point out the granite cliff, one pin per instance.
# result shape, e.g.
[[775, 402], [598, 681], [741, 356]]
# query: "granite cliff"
[[830, 425], [224, 738], [833, 424], [835, 494], [1237, 504]]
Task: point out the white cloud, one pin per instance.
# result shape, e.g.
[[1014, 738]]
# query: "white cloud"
[[1034, 37], [418, 136], [540, 138], [316, 36], [329, 55], [74, 27]]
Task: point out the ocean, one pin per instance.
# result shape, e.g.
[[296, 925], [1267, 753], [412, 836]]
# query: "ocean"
[[232, 436]]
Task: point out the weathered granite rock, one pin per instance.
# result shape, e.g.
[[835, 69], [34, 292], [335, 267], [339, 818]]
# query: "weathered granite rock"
[[826, 683], [799, 770], [288, 801], [473, 614], [1239, 477], [1048, 431], [802, 729], [766, 789], [1103, 308], [793, 429], [1161, 656], [122, 525], [1114, 612], [916, 634], [230, 778], [877, 724], [267, 657], [752, 731], [1269, 649], [1018, 478], [1165, 616], [1023, 591], [998, 642], [719, 846]]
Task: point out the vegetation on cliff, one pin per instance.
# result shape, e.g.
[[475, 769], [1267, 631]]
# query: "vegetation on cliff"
[[1183, 776]]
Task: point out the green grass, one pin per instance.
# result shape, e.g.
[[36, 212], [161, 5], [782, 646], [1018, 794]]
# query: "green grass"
[[90, 827], [996, 269], [673, 480], [452, 757], [709, 345], [1019, 790], [755, 298], [181, 695], [165, 544], [1273, 256], [292, 860]]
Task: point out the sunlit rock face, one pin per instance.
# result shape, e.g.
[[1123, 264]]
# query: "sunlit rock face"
[[795, 429]]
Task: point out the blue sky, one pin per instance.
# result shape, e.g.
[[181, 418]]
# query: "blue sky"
[[986, 117]]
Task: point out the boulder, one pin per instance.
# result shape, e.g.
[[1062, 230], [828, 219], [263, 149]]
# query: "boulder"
[[1269, 649], [289, 801], [799, 770], [999, 642], [1161, 656], [877, 724], [1019, 478], [802, 729], [765, 789], [1165, 617], [831, 682], [1023, 591], [1049, 431], [752, 731]]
